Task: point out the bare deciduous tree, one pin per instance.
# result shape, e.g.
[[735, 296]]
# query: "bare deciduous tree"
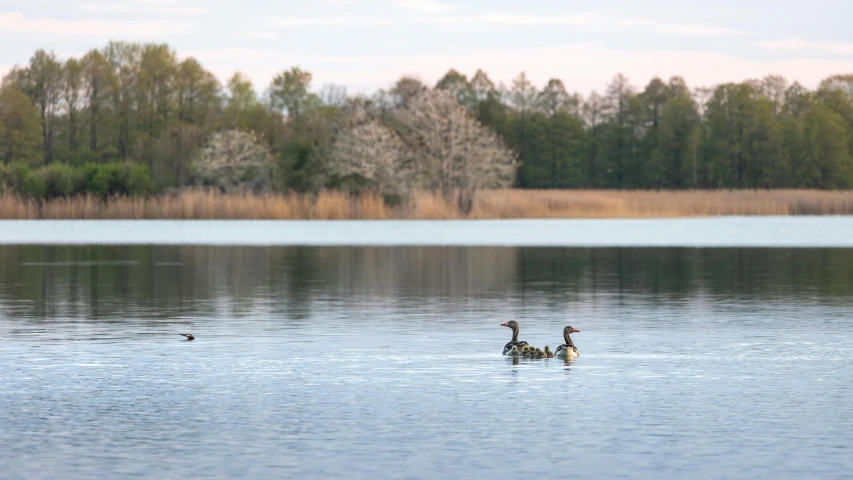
[[482, 86], [453, 153], [333, 95], [231, 160]]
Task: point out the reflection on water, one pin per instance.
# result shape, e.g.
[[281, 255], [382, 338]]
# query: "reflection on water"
[[351, 362], [163, 282]]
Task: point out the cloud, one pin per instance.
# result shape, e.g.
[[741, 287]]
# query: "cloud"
[[798, 44], [681, 29], [334, 22], [426, 6], [256, 34], [517, 19], [700, 30], [15, 22], [103, 7], [183, 11], [231, 54], [116, 7]]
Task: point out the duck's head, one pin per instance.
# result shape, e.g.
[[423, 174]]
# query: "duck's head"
[[570, 329], [512, 324], [547, 348]]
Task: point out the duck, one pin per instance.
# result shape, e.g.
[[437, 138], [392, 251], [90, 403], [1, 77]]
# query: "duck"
[[513, 325], [514, 352], [548, 353], [189, 336], [568, 349]]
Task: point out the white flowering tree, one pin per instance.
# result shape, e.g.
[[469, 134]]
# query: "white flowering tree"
[[453, 153], [371, 150], [435, 144], [231, 160]]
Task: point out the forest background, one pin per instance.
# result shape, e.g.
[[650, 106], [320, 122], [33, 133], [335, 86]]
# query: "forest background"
[[130, 122]]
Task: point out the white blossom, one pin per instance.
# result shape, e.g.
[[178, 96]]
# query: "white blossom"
[[228, 157]]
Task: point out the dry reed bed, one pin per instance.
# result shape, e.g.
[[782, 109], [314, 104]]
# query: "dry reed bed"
[[500, 204]]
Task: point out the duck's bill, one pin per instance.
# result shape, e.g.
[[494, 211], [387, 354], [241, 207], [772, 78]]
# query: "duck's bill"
[[505, 324]]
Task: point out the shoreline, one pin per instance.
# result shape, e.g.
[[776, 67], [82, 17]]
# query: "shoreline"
[[488, 205], [708, 232]]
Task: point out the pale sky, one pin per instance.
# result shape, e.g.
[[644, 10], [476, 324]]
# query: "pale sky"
[[367, 44]]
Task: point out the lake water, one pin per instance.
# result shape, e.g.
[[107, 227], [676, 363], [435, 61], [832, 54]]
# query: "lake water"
[[385, 361]]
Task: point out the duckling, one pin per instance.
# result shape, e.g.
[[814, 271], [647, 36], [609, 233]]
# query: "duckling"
[[540, 353], [514, 352], [189, 336], [548, 352]]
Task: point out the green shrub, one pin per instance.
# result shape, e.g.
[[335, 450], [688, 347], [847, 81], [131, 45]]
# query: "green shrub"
[[32, 185], [120, 179], [14, 175], [139, 180], [106, 180], [60, 180]]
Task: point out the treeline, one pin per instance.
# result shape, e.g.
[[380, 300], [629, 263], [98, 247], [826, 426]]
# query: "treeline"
[[757, 134], [128, 118]]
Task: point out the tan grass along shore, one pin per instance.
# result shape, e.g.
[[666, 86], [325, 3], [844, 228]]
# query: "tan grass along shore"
[[498, 204]]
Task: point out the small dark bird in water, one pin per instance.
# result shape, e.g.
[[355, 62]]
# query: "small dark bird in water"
[[189, 336]]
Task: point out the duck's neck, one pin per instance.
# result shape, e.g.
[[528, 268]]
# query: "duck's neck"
[[514, 334], [569, 340]]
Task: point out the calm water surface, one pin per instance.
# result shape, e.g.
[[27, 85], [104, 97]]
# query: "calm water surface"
[[384, 362]]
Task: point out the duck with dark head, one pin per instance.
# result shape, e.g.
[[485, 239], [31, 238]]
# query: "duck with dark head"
[[513, 325], [568, 349]]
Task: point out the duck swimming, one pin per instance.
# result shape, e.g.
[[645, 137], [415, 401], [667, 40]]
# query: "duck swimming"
[[189, 336], [513, 325], [568, 349]]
